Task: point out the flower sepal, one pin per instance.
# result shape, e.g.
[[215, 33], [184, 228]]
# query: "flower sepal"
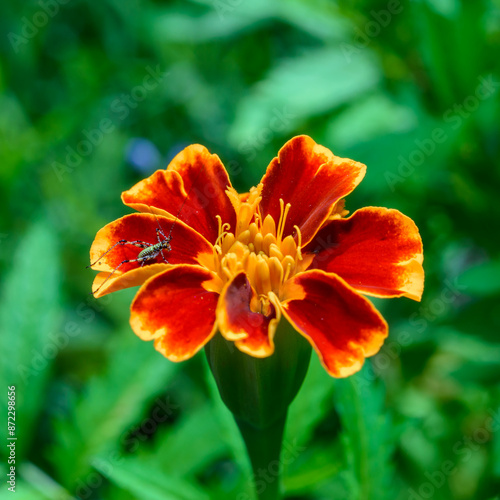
[[258, 391]]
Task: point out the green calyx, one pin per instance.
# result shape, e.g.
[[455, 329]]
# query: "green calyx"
[[258, 391]]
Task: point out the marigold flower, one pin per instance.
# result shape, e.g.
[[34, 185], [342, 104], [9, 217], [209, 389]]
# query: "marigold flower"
[[241, 263]]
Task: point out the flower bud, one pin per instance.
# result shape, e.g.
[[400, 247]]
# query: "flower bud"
[[258, 391]]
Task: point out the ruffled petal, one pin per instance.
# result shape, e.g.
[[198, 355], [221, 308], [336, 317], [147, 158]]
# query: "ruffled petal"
[[251, 331], [104, 283], [342, 326], [192, 189], [177, 309], [312, 179], [186, 247], [378, 251]]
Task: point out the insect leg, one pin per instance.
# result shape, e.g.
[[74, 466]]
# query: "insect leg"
[[126, 261], [163, 256], [137, 243], [158, 232]]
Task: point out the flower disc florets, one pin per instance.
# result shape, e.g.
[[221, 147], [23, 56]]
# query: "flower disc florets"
[[258, 247]]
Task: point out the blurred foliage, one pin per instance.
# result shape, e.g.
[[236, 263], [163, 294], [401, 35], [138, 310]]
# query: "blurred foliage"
[[410, 89]]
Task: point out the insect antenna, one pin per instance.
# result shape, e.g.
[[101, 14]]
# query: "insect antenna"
[[157, 221], [169, 237], [121, 242], [182, 205], [109, 276]]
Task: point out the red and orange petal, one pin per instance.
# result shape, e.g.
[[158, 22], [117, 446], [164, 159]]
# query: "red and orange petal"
[[104, 283], [378, 251], [192, 189], [176, 310], [342, 326], [312, 179], [251, 331], [187, 247]]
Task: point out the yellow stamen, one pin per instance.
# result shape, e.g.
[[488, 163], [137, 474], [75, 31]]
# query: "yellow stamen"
[[219, 222], [299, 244], [287, 264], [223, 230], [259, 247], [284, 209]]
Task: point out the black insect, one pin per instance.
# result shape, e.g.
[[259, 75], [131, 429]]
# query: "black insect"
[[148, 253]]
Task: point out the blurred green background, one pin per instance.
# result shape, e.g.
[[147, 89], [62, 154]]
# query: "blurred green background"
[[409, 88]]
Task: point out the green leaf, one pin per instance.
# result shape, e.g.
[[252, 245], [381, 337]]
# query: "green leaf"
[[310, 405], [496, 453], [321, 464], [195, 442], [315, 17], [220, 22], [323, 79], [355, 125], [366, 436], [447, 8], [146, 481], [482, 280], [32, 484], [29, 316], [102, 420]]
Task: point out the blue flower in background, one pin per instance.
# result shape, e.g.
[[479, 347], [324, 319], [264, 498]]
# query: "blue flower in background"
[[143, 155]]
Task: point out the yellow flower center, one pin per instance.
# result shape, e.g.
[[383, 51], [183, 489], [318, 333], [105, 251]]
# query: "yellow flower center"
[[259, 247]]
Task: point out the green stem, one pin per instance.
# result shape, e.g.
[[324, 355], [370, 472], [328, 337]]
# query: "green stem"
[[258, 392], [264, 448]]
